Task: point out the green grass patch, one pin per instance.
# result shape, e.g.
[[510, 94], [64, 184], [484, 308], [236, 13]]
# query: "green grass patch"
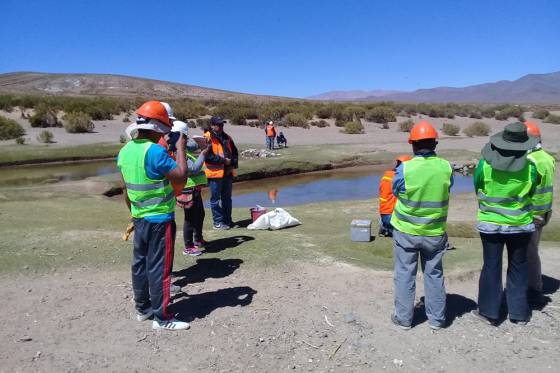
[[17, 154]]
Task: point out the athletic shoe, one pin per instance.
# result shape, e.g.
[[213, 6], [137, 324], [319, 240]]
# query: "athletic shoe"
[[174, 289], [143, 316], [221, 227], [436, 327], [483, 318], [191, 251], [519, 322], [172, 324], [201, 243], [398, 323]]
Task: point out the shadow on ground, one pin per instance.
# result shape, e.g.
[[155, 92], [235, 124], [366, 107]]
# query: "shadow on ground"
[[456, 306], [220, 244], [201, 305], [550, 285], [206, 268], [242, 223]]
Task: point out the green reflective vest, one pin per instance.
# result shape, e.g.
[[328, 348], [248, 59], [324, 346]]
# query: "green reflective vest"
[[422, 209], [147, 196], [504, 197], [198, 178], [545, 164]]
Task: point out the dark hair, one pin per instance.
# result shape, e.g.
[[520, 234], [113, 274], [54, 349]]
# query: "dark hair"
[[426, 144]]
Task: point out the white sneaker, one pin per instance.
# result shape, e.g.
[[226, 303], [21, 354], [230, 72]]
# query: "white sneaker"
[[172, 324], [143, 316], [174, 289]]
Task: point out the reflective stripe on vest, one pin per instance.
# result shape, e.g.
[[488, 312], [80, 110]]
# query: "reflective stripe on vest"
[[422, 209], [198, 178], [147, 196], [544, 194], [504, 199]]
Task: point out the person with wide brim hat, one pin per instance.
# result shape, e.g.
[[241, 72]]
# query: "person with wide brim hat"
[[505, 182]]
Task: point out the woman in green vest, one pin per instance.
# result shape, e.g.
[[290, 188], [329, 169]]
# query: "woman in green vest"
[[504, 183]]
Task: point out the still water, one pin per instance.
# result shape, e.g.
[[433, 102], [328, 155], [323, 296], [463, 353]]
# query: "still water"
[[342, 184]]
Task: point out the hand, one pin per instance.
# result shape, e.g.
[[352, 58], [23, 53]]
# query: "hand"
[[181, 142]]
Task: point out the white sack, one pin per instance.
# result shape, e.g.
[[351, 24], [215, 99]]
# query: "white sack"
[[276, 219]]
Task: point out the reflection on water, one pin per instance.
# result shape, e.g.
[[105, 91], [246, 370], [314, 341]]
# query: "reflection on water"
[[343, 184]]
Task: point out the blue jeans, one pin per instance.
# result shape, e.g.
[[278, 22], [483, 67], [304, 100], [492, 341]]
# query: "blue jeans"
[[220, 199], [490, 289], [406, 249], [270, 142]]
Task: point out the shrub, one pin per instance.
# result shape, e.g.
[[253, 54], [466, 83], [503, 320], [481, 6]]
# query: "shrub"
[[78, 123], [339, 122], [354, 127], [541, 114], [20, 140], [324, 111], [238, 119], [45, 137], [450, 129], [126, 119], [123, 139], [44, 117], [381, 114], [488, 112], [10, 129], [406, 125], [509, 111], [296, 120], [319, 123], [476, 115], [477, 129], [191, 124], [203, 123], [552, 118]]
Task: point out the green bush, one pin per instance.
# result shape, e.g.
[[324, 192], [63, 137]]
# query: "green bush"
[[296, 120], [406, 125], [488, 112], [509, 111], [450, 129], [203, 123], [45, 137], [191, 124], [126, 119], [541, 114], [78, 123], [552, 118], [20, 140], [340, 122], [477, 129], [319, 123], [353, 128], [44, 117], [381, 114], [187, 109], [10, 129]]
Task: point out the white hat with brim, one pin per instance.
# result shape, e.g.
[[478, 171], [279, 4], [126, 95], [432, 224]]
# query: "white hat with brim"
[[148, 124]]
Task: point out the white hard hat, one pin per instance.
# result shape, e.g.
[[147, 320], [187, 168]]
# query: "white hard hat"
[[182, 127], [169, 110]]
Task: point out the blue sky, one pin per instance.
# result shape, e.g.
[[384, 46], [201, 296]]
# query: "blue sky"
[[285, 47]]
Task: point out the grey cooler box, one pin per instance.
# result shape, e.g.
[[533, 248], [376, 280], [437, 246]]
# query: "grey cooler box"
[[360, 230]]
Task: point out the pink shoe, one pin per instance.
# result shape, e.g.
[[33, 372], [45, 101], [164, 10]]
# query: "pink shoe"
[[191, 251], [201, 243]]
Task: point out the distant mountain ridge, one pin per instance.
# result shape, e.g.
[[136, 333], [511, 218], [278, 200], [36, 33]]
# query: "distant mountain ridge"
[[351, 95], [532, 88], [109, 85]]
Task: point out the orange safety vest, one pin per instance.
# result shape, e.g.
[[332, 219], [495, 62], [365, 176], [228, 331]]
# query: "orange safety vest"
[[387, 199], [215, 170], [270, 131]]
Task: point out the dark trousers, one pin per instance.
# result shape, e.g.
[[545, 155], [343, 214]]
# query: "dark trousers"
[[490, 289], [194, 219], [152, 260], [220, 199]]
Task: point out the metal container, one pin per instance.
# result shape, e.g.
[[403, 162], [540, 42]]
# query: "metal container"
[[360, 230]]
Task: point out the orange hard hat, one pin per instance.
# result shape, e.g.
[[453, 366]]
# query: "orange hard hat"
[[403, 158], [421, 131], [532, 129], [154, 110]]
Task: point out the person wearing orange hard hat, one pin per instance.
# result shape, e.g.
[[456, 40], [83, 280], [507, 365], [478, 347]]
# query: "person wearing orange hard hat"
[[148, 171], [421, 186], [387, 199], [542, 211]]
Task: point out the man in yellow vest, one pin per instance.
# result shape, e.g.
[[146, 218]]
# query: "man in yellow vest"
[[421, 186], [504, 183], [542, 210], [147, 171]]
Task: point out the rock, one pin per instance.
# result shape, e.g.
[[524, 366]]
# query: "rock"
[[397, 363]]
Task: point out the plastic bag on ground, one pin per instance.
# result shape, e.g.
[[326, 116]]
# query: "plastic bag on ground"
[[275, 219]]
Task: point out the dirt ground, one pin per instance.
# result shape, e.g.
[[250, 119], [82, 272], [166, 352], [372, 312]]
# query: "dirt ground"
[[319, 316], [390, 139]]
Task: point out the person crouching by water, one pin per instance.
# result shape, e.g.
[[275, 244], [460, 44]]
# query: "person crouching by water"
[[505, 182], [147, 171], [220, 163], [420, 222], [387, 199]]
